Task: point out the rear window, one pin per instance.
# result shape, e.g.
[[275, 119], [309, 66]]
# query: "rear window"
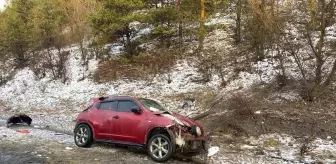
[[108, 105]]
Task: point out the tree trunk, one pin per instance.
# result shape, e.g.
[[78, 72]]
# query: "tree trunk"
[[319, 51], [180, 24], [128, 44], [21, 56], [238, 21], [202, 28], [318, 71], [51, 65], [331, 75]]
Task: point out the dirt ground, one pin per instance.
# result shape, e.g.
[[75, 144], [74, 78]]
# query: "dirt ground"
[[13, 152], [302, 122], [37, 147], [231, 131]]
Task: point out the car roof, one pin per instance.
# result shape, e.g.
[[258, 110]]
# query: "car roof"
[[109, 97]]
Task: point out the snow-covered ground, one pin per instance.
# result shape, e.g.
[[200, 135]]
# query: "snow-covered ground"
[[277, 148], [271, 148], [25, 91]]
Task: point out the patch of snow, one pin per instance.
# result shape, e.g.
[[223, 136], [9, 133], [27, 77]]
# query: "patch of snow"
[[212, 151], [288, 148], [220, 19]]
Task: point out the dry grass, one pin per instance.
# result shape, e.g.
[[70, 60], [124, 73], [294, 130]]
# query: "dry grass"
[[296, 117], [203, 97], [143, 66]]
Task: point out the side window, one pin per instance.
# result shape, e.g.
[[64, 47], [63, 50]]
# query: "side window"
[[126, 105], [108, 105]]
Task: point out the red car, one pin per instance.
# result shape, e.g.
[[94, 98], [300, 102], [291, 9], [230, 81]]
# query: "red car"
[[139, 122]]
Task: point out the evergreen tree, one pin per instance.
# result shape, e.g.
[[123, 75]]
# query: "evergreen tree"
[[16, 30], [120, 19]]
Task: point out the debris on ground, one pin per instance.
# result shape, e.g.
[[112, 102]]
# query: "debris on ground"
[[212, 151], [24, 131], [19, 119], [68, 148]]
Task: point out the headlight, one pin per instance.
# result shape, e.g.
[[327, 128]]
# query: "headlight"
[[198, 131], [195, 130]]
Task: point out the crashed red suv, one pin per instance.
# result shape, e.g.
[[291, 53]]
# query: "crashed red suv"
[[139, 122]]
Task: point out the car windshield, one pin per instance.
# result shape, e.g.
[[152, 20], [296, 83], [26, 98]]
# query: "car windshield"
[[152, 105]]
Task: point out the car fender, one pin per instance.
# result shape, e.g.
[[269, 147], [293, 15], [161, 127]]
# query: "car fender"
[[170, 133], [88, 123]]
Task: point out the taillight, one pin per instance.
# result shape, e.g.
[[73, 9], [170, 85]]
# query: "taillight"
[[86, 109]]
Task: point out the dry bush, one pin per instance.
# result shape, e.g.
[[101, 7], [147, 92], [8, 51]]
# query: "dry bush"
[[310, 92], [227, 63], [42, 63], [242, 106], [293, 117], [138, 67]]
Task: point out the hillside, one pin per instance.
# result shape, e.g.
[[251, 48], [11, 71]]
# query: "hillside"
[[261, 79]]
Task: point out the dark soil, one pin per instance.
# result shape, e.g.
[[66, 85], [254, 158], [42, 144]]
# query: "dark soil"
[[297, 120], [16, 157]]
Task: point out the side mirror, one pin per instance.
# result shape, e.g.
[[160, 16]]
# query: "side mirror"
[[136, 109]]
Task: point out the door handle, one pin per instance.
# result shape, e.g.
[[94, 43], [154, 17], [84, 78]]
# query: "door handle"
[[116, 116]]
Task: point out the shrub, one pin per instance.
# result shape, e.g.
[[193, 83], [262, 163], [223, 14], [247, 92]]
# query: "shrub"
[[242, 105], [139, 67]]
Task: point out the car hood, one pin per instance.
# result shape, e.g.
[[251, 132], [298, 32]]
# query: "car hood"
[[179, 119]]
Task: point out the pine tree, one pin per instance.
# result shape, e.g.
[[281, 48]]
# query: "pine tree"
[[16, 30], [120, 19]]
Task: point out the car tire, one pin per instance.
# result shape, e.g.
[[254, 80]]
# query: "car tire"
[[160, 148], [83, 136]]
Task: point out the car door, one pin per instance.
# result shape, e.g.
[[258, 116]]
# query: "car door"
[[104, 124], [130, 127]]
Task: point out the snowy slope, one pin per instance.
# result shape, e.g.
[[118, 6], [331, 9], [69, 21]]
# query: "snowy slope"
[[25, 92]]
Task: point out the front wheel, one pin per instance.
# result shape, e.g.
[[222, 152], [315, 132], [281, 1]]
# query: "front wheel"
[[83, 136], [160, 148]]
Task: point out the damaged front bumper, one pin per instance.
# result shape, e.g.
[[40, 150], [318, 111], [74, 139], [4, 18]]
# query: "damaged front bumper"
[[193, 143], [186, 141]]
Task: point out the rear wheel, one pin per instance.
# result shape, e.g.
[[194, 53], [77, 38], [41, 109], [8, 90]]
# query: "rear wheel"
[[160, 148], [83, 136]]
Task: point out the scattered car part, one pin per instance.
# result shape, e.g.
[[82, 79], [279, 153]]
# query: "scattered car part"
[[19, 119], [212, 151], [24, 131]]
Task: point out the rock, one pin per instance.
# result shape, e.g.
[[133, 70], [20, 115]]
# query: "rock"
[[259, 152], [247, 147]]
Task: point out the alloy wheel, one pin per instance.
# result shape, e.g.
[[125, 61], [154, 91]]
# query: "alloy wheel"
[[82, 136], [159, 147]]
